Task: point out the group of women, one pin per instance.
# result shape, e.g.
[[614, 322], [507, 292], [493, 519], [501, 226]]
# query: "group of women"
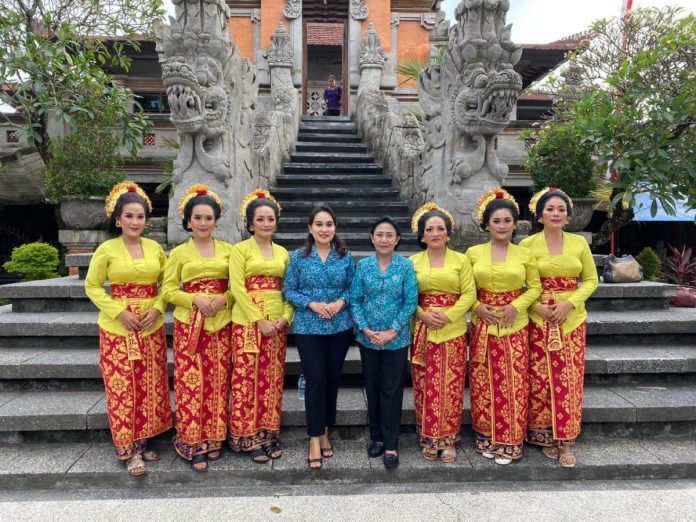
[[234, 306]]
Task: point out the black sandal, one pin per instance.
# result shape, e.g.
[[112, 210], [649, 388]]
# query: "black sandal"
[[320, 460], [199, 459], [327, 453], [273, 451], [259, 456]]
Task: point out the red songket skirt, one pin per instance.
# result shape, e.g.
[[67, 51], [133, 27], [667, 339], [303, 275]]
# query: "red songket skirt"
[[556, 374], [136, 378], [202, 367], [257, 377], [499, 381], [438, 372]]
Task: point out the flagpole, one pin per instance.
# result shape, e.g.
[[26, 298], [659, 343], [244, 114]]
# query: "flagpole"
[[625, 13]]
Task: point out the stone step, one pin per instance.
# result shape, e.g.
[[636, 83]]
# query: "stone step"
[[345, 208], [628, 405], [328, 138], [285, 195], [325, 157], [64, 466], [352, 239], [356, 181], [345, 224], [656, 326], [318, 146], [332, 168], [326, 118], [334, 128], [41, 363]]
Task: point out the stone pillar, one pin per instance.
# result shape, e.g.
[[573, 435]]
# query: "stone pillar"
[[371, 61], [280, 58]]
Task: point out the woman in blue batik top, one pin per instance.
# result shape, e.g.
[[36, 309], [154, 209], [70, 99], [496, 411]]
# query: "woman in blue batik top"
[[383, 297], [317, 282]]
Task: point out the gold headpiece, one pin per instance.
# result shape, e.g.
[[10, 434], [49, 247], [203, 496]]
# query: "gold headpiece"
[[197, 190], [535, 198], [496, 193], [427, 207], [119, 190], [257, 194]]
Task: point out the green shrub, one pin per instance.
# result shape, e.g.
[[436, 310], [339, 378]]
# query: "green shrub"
[[650, 262], [559, 158], [34, 261]]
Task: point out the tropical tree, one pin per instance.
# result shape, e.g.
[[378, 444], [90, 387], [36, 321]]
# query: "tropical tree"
[[55, 58]]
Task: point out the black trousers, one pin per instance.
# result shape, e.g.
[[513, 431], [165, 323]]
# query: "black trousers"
[[322, 359], [383, 371]]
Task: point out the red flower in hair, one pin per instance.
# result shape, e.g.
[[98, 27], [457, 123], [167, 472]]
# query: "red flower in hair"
[[131, 188], [499, 195], [553, 188], [201, 192], [260, 195]]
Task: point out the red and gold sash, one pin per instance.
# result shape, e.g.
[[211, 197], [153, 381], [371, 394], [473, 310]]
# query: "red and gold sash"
[[131, 294], [553, 333], [420, 336], [206, 287], [256, 286], [479, 342]]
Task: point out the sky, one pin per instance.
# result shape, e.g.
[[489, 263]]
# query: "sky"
[[543, 21]]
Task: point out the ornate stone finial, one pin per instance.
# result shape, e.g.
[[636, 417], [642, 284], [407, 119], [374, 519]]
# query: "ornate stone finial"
[[467, 100], [293, 9], [281, 53], [371, 53], [358, 10]]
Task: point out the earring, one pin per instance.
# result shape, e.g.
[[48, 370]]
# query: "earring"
[[118, 224]]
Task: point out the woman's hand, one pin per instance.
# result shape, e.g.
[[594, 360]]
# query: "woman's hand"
[[267, 328], [335, 307], [486, 313], [280, 324], [544, 311], [218, 303], [129, 321], [148, 318], [321, 309], [509, 316], [382, 338], [560, 312], [204, 305], [433, 320]]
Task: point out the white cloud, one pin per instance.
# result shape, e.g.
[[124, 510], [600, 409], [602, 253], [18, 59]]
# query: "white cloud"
[[543, 21]]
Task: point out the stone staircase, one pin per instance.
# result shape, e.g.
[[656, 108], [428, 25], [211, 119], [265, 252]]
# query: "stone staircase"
[[640, 401], [331, 165]]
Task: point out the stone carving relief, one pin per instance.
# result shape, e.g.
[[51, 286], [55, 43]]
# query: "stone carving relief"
[[212, 94], [293, 9], [281, 51], [358, 10], [371, 51], [467, 101]]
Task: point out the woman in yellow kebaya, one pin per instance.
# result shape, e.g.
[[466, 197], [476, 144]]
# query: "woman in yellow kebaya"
[[196, 281], [438, 353], [260, 319], [507, 282], [558, 327], [132, 343]]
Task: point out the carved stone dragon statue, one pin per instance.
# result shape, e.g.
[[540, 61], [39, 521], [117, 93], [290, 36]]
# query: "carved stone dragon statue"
[[467, 100], [212, 93]]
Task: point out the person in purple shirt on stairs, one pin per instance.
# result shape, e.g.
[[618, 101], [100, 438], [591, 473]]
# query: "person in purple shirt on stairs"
[[332, 98]]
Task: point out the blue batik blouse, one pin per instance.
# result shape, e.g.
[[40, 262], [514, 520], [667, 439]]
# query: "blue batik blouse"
[[309, 279], [384, 301]]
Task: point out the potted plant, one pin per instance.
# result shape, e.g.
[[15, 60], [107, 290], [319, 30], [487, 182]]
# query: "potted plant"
[[84, 165], [680, 269], [559, 158]]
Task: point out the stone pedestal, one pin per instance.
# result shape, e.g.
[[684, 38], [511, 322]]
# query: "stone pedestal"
[[81, 242]]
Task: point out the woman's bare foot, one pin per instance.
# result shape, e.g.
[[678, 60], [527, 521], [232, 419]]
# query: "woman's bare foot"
[[314, 459]]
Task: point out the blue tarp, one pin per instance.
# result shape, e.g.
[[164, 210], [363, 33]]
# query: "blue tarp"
[[641, 210]]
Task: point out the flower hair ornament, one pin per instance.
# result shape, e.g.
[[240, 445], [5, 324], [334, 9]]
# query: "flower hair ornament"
[[197, 190], [491, 195], [119, 190], [428, 207], [257, 194], [535, 198]]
